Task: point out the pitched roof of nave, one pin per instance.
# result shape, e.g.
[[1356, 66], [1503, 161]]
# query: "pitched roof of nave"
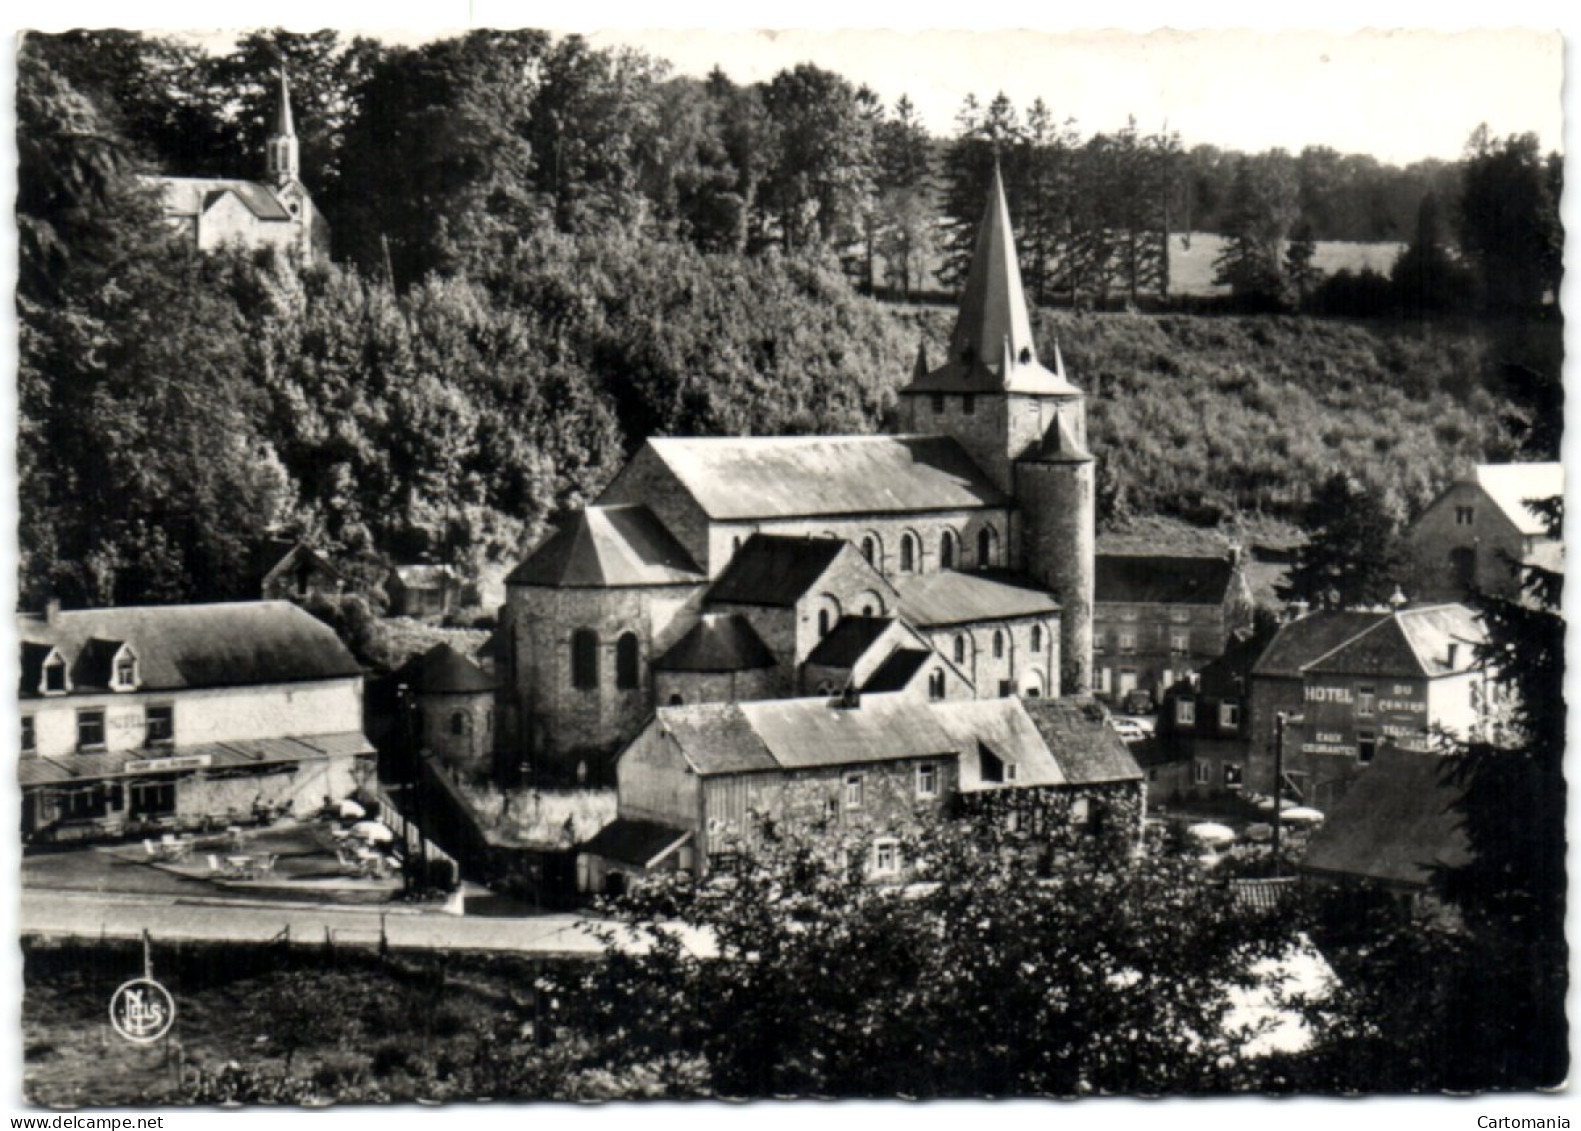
[[718, 642], [192, 196], [756, 477], [775, 570], [991, 348], [897, 671], [949, 597], [608, 546], [848, 641]]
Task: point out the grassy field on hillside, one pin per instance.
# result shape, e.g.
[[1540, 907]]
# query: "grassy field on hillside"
[[1192, 255]]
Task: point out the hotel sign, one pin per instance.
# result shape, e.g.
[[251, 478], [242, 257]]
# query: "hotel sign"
[[174, 762]]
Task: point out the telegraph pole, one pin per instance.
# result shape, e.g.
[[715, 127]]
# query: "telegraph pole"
[[1279, 777]]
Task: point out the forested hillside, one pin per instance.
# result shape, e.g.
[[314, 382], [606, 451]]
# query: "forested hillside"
[[544, 254]]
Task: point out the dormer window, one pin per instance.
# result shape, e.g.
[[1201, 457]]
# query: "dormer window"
[[123, 672], [990, 767], [54, 675]]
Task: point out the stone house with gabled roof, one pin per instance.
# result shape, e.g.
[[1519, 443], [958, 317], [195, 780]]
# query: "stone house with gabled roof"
[[974, 526], [1480, 528], [179, 716], [857, 771]]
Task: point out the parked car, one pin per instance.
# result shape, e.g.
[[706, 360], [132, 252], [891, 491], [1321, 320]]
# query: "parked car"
[[1138, 701]]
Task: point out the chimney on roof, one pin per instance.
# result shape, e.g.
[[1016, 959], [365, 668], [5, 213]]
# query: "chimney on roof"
[[1397, 599], [850, 699], [1234, 552], [52, 611]]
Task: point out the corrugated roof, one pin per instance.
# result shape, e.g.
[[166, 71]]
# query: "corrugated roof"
[[79, 768], [718, 642], [951, 597], [775, 570], [221, 645], [1511, 485], [608, 546], [849, 641], [1005, 728], [896, 672], [991, 347], [803, 733], [444, 671], [1411, 642], [715, 738], [191, 196], [1163, 579], [639, 843], [1397, 823], [1302, 641], [1088, 750], [784, 477]]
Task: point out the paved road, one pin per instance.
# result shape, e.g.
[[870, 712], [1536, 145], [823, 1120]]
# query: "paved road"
[[61, 914]]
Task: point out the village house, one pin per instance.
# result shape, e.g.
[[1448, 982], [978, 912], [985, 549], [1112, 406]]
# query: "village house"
[[1346, 683], [1158, 618], [424, 591], [856, 772], [284, 570], [276, 213], [721, 569], [182, 716], [1474, 534]]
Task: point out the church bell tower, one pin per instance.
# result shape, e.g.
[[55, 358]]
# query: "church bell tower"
[[282, 159]]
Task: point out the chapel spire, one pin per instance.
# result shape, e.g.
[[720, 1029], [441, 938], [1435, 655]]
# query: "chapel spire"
[[281, 154], [993, 310]]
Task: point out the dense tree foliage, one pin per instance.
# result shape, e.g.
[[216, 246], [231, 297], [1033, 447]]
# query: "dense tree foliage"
[[1353, 557]]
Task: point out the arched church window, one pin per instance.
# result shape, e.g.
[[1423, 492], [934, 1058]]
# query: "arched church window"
[[968, 404], [870, 550], [823, 622], [676, 700], [458, 723], [626, 662], [960, 649], [999, 645], [1026, 356], [1037, 638], [908, 553], [584, 659], [985, 547], [936, 685], [947, 550]]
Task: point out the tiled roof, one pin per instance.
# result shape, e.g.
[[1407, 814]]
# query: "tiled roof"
[[775, 570], [1301, 641], [952, 597], [221, 755], [1005, 728], [599, 547], [1088, 750], [444, 671], [1398, 822], [191, 196], [784, 477], [718, 642], [849, 641], [1163, 579], [1511, 485], [897, 671], [640, 843], [1411, 642], [185, 646], [715, 738]]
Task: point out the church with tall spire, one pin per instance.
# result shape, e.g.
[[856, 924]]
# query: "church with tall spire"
[[950, 561], [274, 212]]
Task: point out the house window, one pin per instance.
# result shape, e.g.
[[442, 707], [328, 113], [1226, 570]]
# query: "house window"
[[1012, 771], [1229, 716], [159, 725], [1097, 641], [1366, 745], [936, 685], [1366, 700], [960, 649], [999, 645], [1233, 778], [1185, 712], [1179, 643], [90, 730], [29, 735], [908, 553], [125, 670], [1037, 638], [1101, 677], [1005, 688], [1180, 616], [626, 662], [928, 780], [1465, 516], [1127, 642], [86, 804], [947, 550], [938, 404], [584, 659], [968, 405], [153, 798], [853, 791], [458, 723], [55, 675], [1201, 773], [886, 858]]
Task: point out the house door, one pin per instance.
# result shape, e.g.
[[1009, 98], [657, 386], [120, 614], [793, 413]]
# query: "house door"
[[1463, 566], [1127, 682]]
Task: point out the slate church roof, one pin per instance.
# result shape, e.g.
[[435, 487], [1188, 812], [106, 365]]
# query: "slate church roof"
[[608, 546]]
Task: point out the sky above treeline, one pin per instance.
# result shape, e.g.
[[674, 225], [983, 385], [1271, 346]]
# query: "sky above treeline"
[[1399, 95]]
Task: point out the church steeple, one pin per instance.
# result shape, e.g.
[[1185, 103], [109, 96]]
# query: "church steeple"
[[281, 155], [991, 348]]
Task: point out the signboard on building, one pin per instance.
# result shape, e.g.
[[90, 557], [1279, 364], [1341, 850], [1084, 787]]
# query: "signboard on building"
[[165, 765]]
